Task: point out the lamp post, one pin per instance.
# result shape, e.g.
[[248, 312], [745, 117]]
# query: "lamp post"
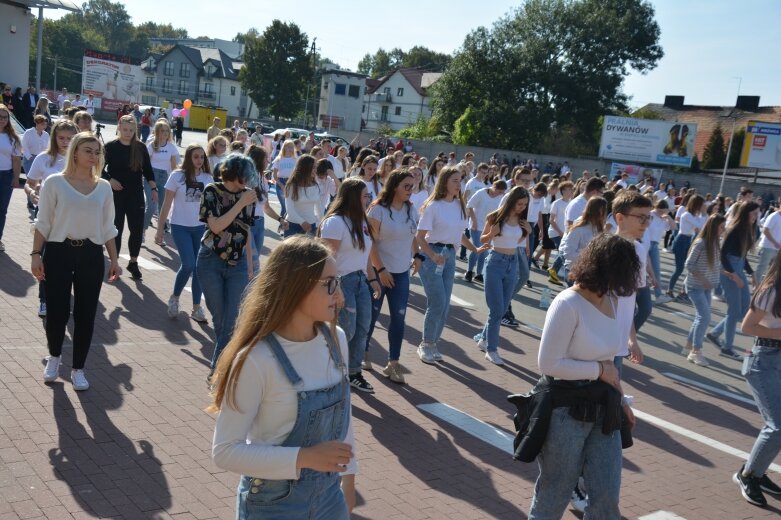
[[731, 135]]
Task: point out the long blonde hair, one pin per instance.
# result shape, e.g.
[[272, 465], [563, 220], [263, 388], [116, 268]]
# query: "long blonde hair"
[[160, 125], [78, 140], [291, 271], [9, 129], [440, 189]]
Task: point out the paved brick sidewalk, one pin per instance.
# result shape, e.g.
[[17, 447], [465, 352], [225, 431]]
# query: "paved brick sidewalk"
[[137, 444]]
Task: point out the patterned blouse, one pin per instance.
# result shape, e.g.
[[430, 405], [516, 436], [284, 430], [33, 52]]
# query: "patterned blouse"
[[230, 242]]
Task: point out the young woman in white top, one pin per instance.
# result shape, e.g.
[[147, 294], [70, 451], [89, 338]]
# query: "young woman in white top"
[[75, 220], [440, 230], [504, 231], [164, 157], [282, 168], [690, 223], [368, 174], [183, 190], [661, 223], [216, 152], [35, 140], [384, 170], [433, 173], [557, 224], [286, 363], [394, 222], [547, 244], [419, 191], [580, 338], [10, 165], [340, 162], [326, 181], [302, 198], [482, 202], [346, 230]]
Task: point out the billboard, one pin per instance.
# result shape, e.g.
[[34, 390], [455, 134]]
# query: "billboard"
[[636, 173], [648, 141], [113, 80], [762, 146]]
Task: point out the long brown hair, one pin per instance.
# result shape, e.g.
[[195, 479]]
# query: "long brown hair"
[[743, 226], [501, 215], [594, 214], [386, 196], [289, 274], [9, 129], [709, 234], [772, 281], [348, 204], [301, 176], [187, 165], [370, 159], [440, 189], [137, 148]]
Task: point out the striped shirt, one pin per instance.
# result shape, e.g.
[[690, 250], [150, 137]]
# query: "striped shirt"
[[697, 262]]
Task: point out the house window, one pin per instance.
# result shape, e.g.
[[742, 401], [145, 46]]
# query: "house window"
[[386, 90], [398, 111], [325, 85], [400, 91], [149, 83], [243, 92], [169, 68], [233, 91], [149, 100], [340, 89], [363, 109], [354, 91], [384, 113], [167, 87], [184, 70], [183, 87]]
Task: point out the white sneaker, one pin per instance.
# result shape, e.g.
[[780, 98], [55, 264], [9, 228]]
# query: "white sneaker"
[[697, 358], [173, 307], [425, 354], [686, 351], [494, 357], [198, 315], [662, 299], [579, 499], [482, 344], [79, 381], [435, 353], [52, 370], [42, 309]]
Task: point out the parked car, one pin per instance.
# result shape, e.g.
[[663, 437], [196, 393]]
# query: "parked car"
[[264, 128], [334, 138]]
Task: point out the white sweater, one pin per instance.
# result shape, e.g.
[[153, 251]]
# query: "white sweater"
[[248, 441], [306, 208]]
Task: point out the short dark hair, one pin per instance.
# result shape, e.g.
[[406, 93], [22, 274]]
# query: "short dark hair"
[[626, 200], [594, 184], [595, 269]]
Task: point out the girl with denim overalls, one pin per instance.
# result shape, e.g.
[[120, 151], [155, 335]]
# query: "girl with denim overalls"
[[281, 390]]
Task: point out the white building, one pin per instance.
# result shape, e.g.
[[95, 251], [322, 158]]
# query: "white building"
[[398, 99], [341, 100]]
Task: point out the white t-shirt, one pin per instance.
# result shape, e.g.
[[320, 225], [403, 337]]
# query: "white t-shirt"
[[61, 99], [482, 203], [339, 170], [34, 144], [284, 165], [248, 438], [161, 159], [558, 212], [327, 190], [8, 149], [397, 231], [349, 257], [625, 314], [473, 186], [689, 223], [535, 207], [444, 221], [575, 208], [417, 199], [660, 194], [372, 187], [546, 207], [657, 228], [765, 302], [89, 104], [187, 198], [773, 226], [306, 208], [41, 167]]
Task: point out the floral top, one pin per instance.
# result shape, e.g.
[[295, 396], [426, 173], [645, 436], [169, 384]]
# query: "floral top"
[[230, 242]]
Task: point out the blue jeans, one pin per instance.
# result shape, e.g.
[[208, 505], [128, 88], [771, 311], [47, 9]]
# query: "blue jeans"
[[438, 288], [6, 190], [223, 285], [766, 255], [149, 208], [161, 177], [532, 243], [573, 448], [762, 370], [296, 229], [398, 296], [559, 262], [656, 266], [737, 302], [523, 269], [643, 310], [501, 275], [355, 317], [187, 240], [279, 188], [27, 163], [474, 258], [701, 298], [258, 231], [680, 250]]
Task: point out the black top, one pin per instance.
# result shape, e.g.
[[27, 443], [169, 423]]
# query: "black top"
[[118, 165], [731, 247]]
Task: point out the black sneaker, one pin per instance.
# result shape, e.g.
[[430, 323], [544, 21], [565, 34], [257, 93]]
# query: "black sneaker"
[[750, 489], [359, 383], [535, 263], [479, 278], [768, 486], [529, 284], [714, 339], [135, 272], [729, 353], [468, 276]]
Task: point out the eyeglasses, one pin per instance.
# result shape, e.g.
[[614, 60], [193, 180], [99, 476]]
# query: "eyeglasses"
[[407, 187], [644, 219], [330, 284]]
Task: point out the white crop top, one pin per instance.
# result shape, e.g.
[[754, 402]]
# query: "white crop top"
[[510, 238]]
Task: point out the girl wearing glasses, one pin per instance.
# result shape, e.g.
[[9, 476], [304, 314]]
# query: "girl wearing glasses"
[[286, 363], [10, 165], [224, 263], [347, 233]]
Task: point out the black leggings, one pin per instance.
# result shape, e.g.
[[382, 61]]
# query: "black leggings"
[[132, 206], [82, 268]]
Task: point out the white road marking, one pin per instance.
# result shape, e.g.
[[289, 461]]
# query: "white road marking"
[[143, 263], [709, 388], [529, 326], [455, 300], [661, 515]]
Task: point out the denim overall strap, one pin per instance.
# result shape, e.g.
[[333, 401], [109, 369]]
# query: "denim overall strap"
[[283, 360], [333, 348]]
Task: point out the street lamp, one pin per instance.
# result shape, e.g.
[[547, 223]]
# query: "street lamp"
[[731, 135]]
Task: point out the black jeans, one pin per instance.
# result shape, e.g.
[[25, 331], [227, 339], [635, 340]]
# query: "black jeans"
[[129, 204], [82, 268]]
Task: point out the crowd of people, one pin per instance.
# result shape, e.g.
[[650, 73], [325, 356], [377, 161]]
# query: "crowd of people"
[[357, 223]]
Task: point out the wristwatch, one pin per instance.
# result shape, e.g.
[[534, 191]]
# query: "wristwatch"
[[420, 257]]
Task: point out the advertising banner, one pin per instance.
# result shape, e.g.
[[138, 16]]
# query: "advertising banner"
[[648, 141], [113, 80], [636, 173], [762, 146]]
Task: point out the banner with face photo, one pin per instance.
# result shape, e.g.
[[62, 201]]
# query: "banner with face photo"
[[114, 80], [636, 173]]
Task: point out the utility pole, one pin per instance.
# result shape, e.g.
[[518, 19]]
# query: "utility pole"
[[309, 86], [56, 64], [39, 51], [734, 115]]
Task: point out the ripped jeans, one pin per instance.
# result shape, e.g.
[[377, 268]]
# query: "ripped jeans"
[[398, 295], [355, 317]]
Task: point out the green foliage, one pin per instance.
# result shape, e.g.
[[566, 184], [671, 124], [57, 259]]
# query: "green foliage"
[[384, 129], [551, 63], [738, 139], [422, 129], [468, 127], [715, 151], [277, 68], [695, 167], [382, 62]]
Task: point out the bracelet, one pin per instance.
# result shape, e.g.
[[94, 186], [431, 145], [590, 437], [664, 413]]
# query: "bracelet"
[[381, 269], [33, 253], [372, 280], [418, 256]]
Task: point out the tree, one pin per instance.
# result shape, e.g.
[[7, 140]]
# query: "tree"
[[714, 154], [382, 62], [277, 68], [242, 37], [550, 64], [737, 147]]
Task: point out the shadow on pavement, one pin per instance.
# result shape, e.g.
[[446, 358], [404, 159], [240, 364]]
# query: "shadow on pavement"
[[16, 279]]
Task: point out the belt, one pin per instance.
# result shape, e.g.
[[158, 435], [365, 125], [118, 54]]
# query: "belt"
[[78, 242], [767, 342], [440, 244]]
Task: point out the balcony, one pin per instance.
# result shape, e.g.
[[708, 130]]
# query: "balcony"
[[206, 95], [381, 97]]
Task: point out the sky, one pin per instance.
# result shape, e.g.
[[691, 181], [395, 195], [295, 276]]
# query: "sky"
[[712, 47]]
